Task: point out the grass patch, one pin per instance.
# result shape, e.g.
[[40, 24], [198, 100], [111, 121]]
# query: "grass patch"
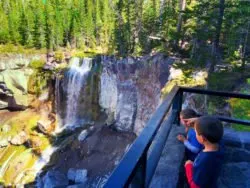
[[38, 81], [185, 79], [239, 127], [37, 64], [241, 110], [18, 49]]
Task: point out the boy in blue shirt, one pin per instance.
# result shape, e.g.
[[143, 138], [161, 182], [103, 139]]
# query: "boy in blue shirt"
[[204, 171], [193, 147]]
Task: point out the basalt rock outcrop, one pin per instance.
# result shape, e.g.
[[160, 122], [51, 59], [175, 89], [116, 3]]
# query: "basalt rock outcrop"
[[130, 89], [14, 74], [126, 90]]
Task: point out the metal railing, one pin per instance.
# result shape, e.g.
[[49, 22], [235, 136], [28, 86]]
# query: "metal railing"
[[138, 165]]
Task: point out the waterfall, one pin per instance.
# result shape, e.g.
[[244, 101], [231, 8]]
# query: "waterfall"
[[76, 78], [58, 105], [44, 159]]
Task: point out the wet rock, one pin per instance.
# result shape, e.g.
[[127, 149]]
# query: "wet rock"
[[50, 67], [54, 179], [35, 142], [126, 107], [175, 73], [4, 143], [81, 176], [108, 93], [77, 175], [46, 126], [5, 128], [71, 174], [77, 185], [6, 97], [17, 82], [44, 96], [3, 105], [82, 136], [19, 139]]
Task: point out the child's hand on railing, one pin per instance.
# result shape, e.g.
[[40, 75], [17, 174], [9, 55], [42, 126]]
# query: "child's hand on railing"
[[181, 138]]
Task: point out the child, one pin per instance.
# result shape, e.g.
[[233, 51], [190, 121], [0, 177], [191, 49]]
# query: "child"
[[193, 147], [205, 170]]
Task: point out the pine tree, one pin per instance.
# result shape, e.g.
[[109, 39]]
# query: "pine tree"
[[23, 28]]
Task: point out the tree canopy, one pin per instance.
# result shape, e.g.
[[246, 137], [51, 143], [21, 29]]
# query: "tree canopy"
[[192, 28]]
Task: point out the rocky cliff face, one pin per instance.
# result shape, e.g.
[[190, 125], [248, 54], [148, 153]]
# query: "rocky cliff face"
[[14, 75], [127, 91], [130, 89]]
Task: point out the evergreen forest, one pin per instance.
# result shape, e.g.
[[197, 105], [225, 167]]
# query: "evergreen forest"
[[203, 30]]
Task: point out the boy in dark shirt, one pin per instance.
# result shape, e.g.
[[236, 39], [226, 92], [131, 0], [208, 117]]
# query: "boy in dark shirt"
[[204, 171]]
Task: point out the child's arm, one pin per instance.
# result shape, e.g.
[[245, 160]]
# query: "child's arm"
[[189, 174], [189, 146]]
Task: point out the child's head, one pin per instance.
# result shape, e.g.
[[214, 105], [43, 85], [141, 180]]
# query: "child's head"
[[209, 129], [187, 114]]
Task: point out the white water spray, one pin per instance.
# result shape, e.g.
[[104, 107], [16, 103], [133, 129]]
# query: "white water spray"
[[77, 76]]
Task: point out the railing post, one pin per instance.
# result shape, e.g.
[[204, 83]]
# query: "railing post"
[[177, 104], [139, 180]]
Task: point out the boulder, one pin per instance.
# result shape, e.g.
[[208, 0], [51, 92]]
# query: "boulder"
[[77, 185], [6, 96], [82, 136], [4, 142], [46, 126], [35, 142], [81, 176], [54, 178], [77, 175], [19, 139], [5, 128]]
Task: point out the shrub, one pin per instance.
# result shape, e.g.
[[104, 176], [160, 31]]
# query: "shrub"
[[241, 110], [59, 56], [37, 64]]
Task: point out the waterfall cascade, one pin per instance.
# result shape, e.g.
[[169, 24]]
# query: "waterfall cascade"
[[76, 80], [68, 92]]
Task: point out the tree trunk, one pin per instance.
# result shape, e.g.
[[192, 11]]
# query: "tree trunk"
[[245, 46], [217, 35], [182, 7]]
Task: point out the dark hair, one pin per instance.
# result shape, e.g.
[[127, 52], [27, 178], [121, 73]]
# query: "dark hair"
[[209, 127], [189, 113]]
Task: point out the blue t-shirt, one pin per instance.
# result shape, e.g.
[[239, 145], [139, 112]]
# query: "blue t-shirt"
[[191, 137], [206, 168]]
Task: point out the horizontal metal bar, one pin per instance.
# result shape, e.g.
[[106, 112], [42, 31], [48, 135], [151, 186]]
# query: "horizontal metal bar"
[[233, 120], [129, 162], [158, 146], [216, 93]]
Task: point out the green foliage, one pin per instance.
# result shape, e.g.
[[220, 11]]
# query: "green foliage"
[[126, 27], [184, 79], [59, 56], [11, 48], [38, 81], [241, 110], [37, 64]]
